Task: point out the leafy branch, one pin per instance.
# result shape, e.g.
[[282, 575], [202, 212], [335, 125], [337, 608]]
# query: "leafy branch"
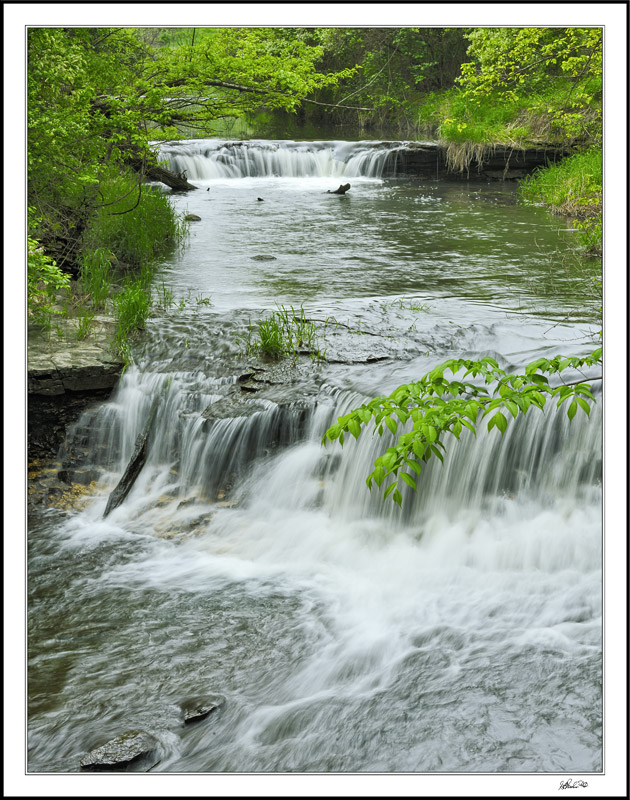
[[436, 406]]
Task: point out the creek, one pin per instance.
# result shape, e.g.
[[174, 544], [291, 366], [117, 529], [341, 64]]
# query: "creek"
[[461, 633]]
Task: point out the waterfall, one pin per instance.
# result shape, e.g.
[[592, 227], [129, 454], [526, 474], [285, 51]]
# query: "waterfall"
[[209, 159], [544, 461]]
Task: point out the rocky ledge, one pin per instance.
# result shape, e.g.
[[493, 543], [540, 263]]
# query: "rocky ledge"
[[492, 162], [66, 375]]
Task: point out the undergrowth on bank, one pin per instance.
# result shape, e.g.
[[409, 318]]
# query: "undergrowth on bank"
[[135, 222], [134, 227], [574, 188]]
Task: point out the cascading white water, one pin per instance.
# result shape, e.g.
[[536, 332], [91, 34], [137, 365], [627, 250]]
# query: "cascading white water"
[[212, 159], [486, 581], [461, 633]]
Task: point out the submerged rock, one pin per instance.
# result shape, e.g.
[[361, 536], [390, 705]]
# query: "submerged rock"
[[263, 258], [192, 218], [118, 755], [196, 709]]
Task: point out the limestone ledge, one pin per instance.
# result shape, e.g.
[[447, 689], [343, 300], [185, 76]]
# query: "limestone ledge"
[[60, 366]]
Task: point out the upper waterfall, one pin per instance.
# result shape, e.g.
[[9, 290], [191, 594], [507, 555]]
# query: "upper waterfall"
[[207, 159]]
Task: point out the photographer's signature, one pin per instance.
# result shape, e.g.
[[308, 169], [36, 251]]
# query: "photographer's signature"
[[571, 784]]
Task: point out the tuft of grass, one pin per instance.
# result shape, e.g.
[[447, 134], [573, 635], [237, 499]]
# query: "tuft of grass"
[[165, 296], [95, 276], [84, 324], [286, 332], [574, 186], [133, 308]]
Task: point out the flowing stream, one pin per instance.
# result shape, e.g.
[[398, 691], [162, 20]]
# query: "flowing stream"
[[461, 633]]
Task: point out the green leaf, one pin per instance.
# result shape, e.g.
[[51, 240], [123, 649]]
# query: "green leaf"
[[354, 428], [390, 489], [379, 475], [418, 448], [391, 424], [500, 422], [403, 416], [468, 425], [431, 433], [409, 480], [437, 453], [572, 410], [389, 458], [512, 407], [414, 465], [584, 405], [365, 414], [398, 497]]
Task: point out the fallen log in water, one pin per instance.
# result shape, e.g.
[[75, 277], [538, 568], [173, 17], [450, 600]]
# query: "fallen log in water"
[[138, 458]]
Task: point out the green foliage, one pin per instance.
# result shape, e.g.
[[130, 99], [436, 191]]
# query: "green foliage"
[[557, 70], [96, 276], [397, 66], [137, 223], [573, 187], [456, 118], [45, 280], [590, 235], [285, 332], [569, 187], [434, 406]]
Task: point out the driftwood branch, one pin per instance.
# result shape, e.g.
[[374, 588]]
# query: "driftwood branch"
[[177, 182], [137, 461], [343, 188]]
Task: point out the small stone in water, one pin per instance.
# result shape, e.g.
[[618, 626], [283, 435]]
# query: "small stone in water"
[[197, 709], [263, 258]]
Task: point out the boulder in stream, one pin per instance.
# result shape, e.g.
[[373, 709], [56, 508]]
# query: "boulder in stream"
[[192, 218], [135, 750]]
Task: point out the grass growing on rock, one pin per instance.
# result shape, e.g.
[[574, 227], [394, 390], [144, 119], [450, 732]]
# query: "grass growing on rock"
[[285, 332]]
